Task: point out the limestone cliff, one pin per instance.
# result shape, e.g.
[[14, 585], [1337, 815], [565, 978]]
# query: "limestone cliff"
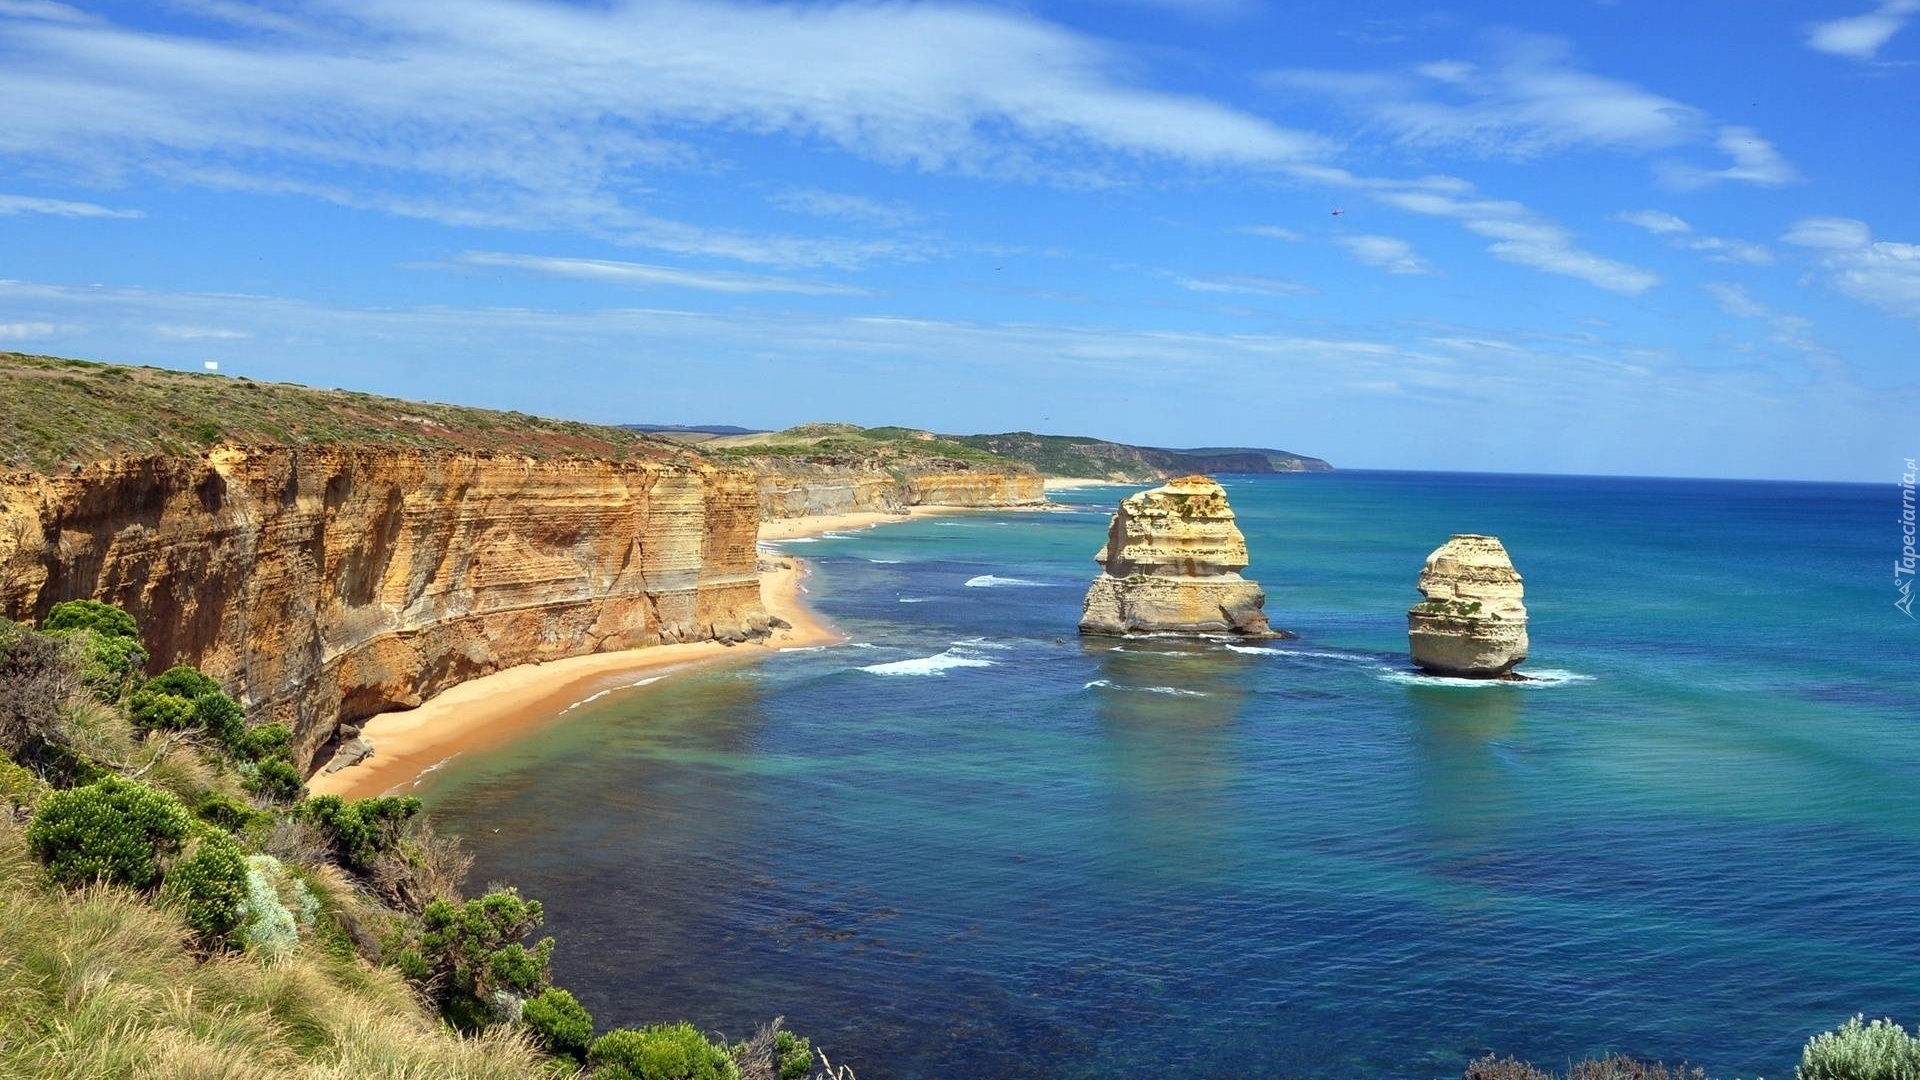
[[1172, 563], [801, 488], [1472, 623], [322, 584]]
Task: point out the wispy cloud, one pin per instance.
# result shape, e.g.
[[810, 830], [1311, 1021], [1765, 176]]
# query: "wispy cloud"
[[16, 331], [1793, 331], [1680, 235], [1523, 236], [1861, 36], [1531, 98], [1883, 273], [1250, 284], [643, 275], [1273, 232], [1389, 253], [455, 104], [1755, 161], [1657, 222], [175, 332], [854, 208], [23, 204]]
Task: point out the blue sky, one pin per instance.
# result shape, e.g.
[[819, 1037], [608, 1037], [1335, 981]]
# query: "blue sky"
[[1604, 237]]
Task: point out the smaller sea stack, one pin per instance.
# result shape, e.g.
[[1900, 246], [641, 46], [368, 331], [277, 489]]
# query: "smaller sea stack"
[[1472, 624], [1172, 565]]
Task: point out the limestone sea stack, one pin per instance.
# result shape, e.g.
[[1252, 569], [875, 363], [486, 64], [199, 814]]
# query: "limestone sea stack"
[[1472, 624], [1172, 565]]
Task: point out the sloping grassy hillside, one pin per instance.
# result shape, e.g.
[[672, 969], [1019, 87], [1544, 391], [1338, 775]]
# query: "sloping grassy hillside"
[[54, 412], [884, 446], [98, 984]]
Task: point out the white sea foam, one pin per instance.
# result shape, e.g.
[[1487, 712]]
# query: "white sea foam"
[[928, 665], [1541, 679], [980, 643], [990, 581], [433, 768], [885, 562], [918, 599], [1173, 691]]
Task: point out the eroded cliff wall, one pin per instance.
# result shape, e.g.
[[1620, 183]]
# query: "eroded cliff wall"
[[324, 584], [791, 488]]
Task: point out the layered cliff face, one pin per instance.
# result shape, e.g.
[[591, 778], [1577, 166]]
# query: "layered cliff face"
[[801, 488], [324, 584], [1472, 623], [1172, 563]]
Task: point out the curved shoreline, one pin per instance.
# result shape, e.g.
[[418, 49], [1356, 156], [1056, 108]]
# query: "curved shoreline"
[[506, 706]]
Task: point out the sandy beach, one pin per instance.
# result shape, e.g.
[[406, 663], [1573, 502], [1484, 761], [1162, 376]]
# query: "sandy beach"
[[1065, 483], [497, 709]]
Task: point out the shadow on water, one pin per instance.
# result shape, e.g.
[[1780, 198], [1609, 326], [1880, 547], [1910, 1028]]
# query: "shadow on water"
[[1167, 710], [1464, 792]]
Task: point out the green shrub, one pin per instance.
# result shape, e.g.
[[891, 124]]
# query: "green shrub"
[[276, 779], [264, 742], [228, 813], [559, 1023], [1881, 1050], [360, 830], [105, 620], [210, 887], [184, 682], [113, 830], [109, 666], [473, 949], [157, 710], [793, 1055], [221, 717], [663, 1052], [278, 906]]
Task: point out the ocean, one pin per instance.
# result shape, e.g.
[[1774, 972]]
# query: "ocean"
[[971, 844]]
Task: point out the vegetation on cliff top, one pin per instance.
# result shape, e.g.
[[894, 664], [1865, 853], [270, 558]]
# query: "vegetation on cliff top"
[[882, 447], [1071, 455], [61, 412], [171, 909]]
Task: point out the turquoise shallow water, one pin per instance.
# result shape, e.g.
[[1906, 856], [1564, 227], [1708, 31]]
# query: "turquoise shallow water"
[[974, 845]]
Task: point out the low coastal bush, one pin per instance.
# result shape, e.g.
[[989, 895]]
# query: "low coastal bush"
[[105, 620], [469, 954], [1880, 1050], [359, 830], [1609, 1067], [559, 1023], [663, 1052], [209, 887], [113, 830]]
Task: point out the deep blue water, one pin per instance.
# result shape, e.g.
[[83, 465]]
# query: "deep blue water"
[[975, 845]]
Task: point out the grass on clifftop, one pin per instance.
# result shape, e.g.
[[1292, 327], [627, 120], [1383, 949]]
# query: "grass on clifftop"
[[883, 445], [56, 412]]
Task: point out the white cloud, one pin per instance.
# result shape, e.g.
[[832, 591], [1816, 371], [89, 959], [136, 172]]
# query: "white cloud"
[[643, 275], [456, 104], [43, 9], [22, 204], [14, 331], [175, 332], [1522, 236], [1733, 300], [1860, 36], [854, 208], [1251, 284], [1273, 232], [1389, 253], [1884, 273], [1679, 234], [1657, 222], [1829, 232], [1532, 99], [1755, 161]]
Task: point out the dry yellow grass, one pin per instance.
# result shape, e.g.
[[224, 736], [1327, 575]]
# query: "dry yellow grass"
[[101, 984]]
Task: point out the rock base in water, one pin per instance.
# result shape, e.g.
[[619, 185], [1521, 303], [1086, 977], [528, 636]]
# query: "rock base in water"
[[1472, 624], [1172, 565]]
